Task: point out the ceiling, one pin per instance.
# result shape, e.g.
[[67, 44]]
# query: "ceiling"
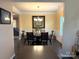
[[38, 6], [38, 0]]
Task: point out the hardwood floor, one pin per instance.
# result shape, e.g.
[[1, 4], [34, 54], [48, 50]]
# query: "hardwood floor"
[[34, 52]]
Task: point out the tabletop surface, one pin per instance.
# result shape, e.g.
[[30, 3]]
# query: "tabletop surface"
[[36, 52]]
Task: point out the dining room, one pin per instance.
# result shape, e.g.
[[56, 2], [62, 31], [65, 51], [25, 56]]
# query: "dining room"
[[39, 22], [40, 27]]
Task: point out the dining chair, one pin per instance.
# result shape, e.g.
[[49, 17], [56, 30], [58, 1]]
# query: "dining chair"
[[44, 38], [30, 37]]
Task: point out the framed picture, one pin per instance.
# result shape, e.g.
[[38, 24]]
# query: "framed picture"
[[5, 16], [38, 21]]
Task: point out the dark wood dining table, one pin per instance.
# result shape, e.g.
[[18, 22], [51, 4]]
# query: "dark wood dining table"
[[36, 52]]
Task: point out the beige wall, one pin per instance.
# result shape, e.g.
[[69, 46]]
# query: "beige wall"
[[26, 21], [59, 14]]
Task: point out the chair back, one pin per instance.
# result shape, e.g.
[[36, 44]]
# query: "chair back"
[[29, 35], [44, 36]]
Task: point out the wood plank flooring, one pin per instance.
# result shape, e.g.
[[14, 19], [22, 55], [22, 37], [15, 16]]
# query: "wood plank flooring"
[[34, 52]]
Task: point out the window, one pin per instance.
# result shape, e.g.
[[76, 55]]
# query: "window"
[[61, 25]]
